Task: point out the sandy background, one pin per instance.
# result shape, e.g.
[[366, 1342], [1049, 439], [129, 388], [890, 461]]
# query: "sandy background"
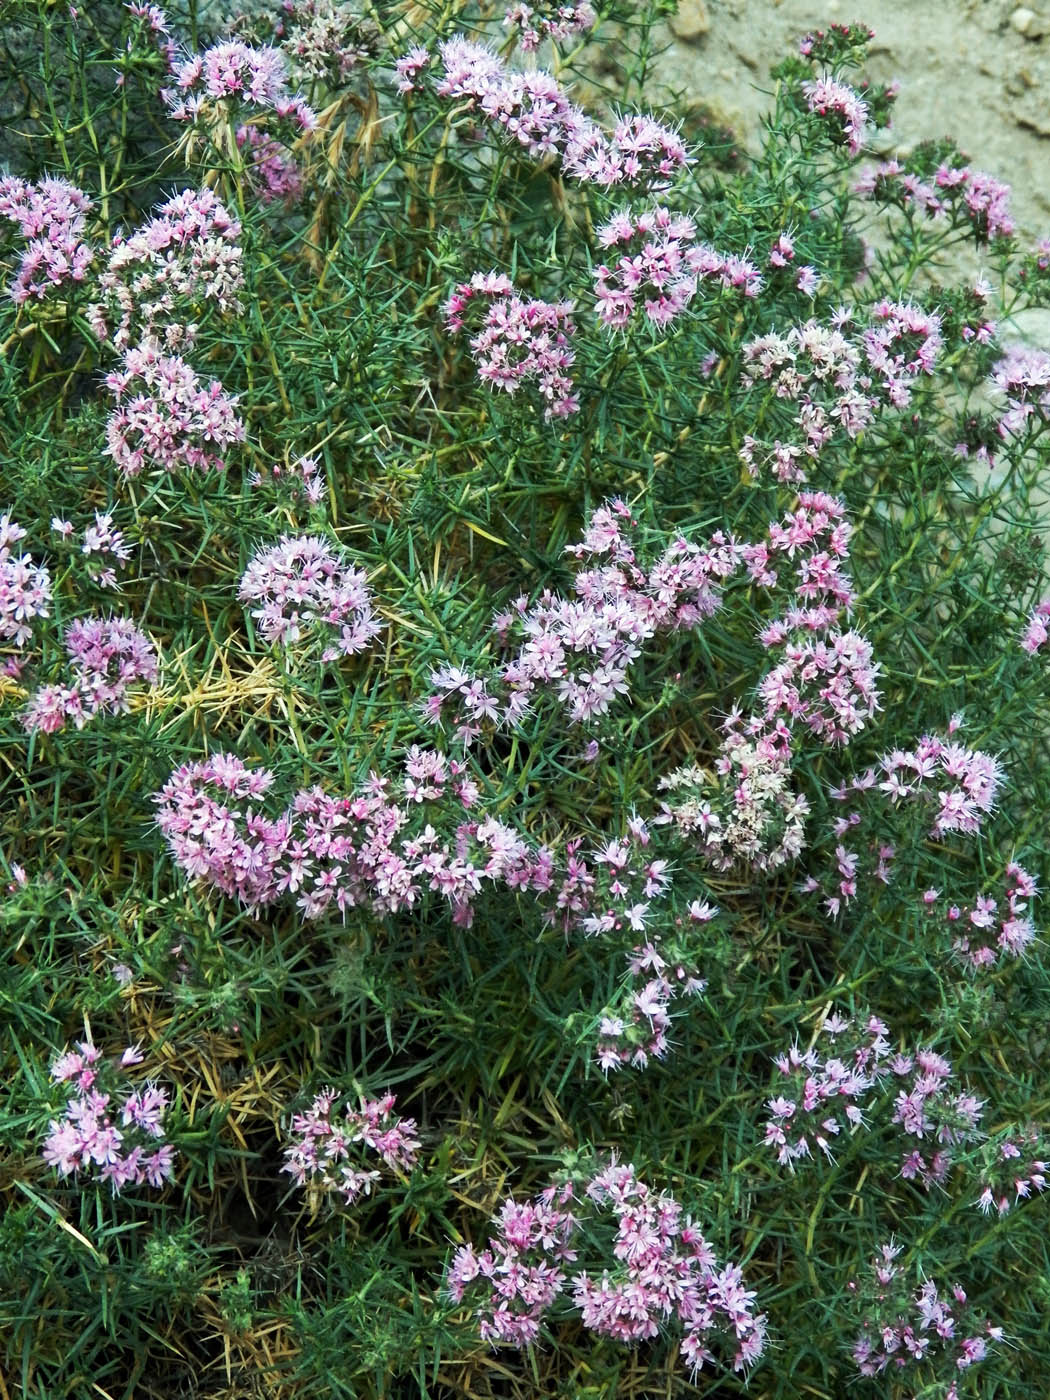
[[975, 70]]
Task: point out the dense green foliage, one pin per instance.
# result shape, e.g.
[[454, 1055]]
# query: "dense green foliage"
[[456, 499]]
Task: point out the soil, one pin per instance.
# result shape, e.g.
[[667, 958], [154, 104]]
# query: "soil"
[[975, 70]]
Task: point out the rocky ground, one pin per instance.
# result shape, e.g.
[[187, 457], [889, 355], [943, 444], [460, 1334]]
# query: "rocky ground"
[[975, 70]]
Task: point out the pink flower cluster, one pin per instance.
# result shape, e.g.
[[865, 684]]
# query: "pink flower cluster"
[[929, 1108], [521, 1270], [613, 892], [1036, 632], [531, 109], [165, 417], [101, 540], [158, 277], [847, 867], [828, 684], [782, 256], [845, 109], [325, 39], [254, 79], [826, 679], [51, 216], [635, 1263], [380, 849], [836, 382], [517, 341], [272, 172], [815, 537], [635, 1030], [386, 845], [826, 1096], [965, 196], [584, 646], [902, 1328], [1022, 376], [154, 16], [324, 1154], [409, 66], [558, 22], [392, 843], [658, 259], [1012, 1170], [311, 600], [963, 782], [107, 543], [107, 657], [25, 586], [111, 1130], [903, 342], [819, 369], [960, 783], [747, 811], [782, 253], [983, 935]]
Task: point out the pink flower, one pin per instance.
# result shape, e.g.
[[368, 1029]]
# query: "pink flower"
[[87, 1138], [986, 935], [161, 276], [165, 417], [273, 173], [106, 658], [318, 1155], [807, 280], [656, 253], [828, 97], [409, 68], [517, 342], [310, 599], [531, 110], [559, 23], [750, 814], [639, 1268], [901, 1328], [51, 216], [1036, 632], [25, 587], [235, 72]]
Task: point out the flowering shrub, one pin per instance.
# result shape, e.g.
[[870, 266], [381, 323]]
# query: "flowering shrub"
[[920, 1329], [505, 607], [656, 1269]]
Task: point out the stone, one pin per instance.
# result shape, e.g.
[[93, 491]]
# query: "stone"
[[691, 21], [1021, 81], [1030, 112], [744, 54], [1028, 23]]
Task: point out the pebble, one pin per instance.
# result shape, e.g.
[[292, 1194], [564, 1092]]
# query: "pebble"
[[691, 22], [1028, 23]]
